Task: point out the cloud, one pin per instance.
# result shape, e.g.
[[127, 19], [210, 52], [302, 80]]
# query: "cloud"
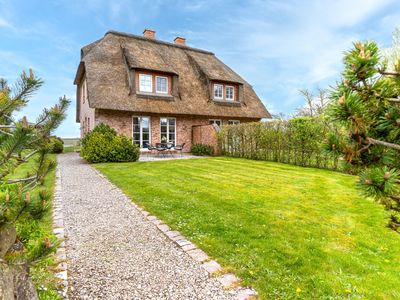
[[281, 47], [5, 24]]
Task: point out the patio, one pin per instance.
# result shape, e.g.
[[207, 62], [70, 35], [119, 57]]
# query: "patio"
[[152, 156]]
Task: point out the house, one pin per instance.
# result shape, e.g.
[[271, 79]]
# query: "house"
[[155, 91]]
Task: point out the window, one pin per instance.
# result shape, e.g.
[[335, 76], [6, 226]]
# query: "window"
[[218, 91], [216, 122], [168, 130], [233, 122], [229, 92], [141, 131], [83, 90], [161, 85], [145, 83]]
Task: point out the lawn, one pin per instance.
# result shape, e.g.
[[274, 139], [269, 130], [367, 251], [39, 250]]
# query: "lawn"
[[70, 149], [288, 231]]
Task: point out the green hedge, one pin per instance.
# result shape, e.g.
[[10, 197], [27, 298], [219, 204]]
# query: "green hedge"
[[202, 149], [299, 141], [103, 144], [56, 145]]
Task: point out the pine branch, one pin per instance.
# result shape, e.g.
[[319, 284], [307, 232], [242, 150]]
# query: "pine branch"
[[364, 148], [5, 132], [21, 179], [388, 73], [30, 154], [26, 86], [386, 144]]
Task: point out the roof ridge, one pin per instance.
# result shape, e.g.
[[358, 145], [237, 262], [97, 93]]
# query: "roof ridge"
[[183, 47]]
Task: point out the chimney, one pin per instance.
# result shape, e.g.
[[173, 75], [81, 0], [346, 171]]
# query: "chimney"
[[180, 41], [150, 34]]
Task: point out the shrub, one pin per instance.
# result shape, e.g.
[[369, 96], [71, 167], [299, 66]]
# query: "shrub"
[[299, 141], [56, 145], [202, 149], [103, 144]]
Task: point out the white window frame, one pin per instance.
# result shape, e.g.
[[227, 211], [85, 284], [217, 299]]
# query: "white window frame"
[[214, 121], [222, 91], [84, 90], [167, 86], [233, 92], [168, 141], [151, 83], [233, 122], [141, 130]]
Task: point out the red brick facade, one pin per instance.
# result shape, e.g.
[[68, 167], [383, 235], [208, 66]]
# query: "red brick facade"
[[122, 122], [206, 134]]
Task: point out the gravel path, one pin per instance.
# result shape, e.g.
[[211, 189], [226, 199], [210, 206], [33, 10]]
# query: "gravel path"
[[113, 252]]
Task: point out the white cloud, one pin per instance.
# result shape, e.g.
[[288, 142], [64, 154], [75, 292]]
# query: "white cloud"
[[284, 46], [5, 24]]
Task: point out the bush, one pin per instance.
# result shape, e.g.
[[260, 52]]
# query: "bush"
[[56, 145], [202, 149], [103, 144]]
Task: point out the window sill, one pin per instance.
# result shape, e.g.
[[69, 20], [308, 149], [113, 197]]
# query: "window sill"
[[155, 96], [227, 102]]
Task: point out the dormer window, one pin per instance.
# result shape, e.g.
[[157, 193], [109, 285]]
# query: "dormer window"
[[145, 83], [154, 84], [218, 91], [230, 93], [162, 84], [224, 91]]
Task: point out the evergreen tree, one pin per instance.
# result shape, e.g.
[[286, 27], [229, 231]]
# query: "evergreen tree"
[[366, 102], [20, 139]]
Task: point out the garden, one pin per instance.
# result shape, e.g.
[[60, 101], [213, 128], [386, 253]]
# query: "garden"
[[303, 207], [292, 207], [288, 231]]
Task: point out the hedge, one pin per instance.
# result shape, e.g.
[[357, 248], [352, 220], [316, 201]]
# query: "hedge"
[[202, 149], [299, 141]]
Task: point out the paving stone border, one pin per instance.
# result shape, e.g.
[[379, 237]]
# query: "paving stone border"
[[228, 281], [58, 229]]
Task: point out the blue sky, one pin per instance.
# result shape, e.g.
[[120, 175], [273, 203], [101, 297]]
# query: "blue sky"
[[278, 46]]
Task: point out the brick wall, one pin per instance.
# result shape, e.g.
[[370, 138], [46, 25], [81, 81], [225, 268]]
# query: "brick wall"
[[86, 114], [122, 122], [206, 134]]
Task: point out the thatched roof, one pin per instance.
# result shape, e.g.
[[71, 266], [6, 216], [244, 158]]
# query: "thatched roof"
[[107, 65]]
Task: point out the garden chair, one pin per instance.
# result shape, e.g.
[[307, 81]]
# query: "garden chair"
[[179, 148], [151, 148], [170, 147]]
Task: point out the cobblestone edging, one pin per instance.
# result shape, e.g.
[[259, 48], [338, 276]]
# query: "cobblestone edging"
[[58, 229], [228, 281]]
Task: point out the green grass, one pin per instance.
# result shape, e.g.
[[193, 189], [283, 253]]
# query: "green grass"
[[71, 149], [34, 231], [290, 232]]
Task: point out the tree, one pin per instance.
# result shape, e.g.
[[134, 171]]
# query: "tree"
[[366, 102], [19, 141], [315, 105], [392, 54]]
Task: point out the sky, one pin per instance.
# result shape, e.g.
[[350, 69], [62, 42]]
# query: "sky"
[[279, 47]]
